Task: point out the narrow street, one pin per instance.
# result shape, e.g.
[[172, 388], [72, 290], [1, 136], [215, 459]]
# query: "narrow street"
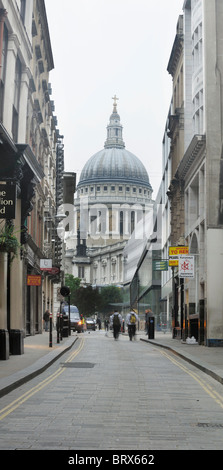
[[114, 395]]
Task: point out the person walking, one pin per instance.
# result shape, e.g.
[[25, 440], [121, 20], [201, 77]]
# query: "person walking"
[[131, 320], [46, 318], [116, 320]]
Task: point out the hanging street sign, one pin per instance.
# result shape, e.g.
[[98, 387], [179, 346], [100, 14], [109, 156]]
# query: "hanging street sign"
[[45, 264], [186, 267], [160, 265]]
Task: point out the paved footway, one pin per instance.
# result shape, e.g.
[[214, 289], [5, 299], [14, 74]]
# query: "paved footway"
[[106, 394]]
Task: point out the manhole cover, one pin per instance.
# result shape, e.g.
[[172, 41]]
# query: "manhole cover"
[[210, 425], [78, 365]]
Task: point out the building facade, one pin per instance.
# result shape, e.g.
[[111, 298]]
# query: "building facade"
[[195, 192], [28, 150]]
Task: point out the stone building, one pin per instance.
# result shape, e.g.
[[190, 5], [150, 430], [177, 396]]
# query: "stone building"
[[28, 143], [199, 172], [176, 188], [113, 195], [201, 168]]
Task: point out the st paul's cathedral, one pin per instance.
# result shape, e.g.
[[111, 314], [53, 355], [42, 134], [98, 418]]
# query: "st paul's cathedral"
[[113, 195]]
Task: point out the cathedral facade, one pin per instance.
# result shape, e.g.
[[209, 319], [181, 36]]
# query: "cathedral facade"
[[113, 195]]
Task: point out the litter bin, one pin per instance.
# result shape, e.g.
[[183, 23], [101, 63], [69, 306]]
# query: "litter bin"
[[65, 329], [151, 327]]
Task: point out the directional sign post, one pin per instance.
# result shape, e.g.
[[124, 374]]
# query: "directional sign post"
[[160, 265]]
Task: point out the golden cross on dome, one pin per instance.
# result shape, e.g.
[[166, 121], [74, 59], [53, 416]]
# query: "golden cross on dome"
[[115, 104]]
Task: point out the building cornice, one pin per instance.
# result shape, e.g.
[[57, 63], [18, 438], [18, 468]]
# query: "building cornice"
[[175, 54], [44, 23], [196, 146]]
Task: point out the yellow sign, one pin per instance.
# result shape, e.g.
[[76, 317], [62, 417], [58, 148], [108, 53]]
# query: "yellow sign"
[[175, 252], [174, 262], [178, 250]]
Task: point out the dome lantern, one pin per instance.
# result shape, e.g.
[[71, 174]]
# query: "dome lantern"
[[114, 129]]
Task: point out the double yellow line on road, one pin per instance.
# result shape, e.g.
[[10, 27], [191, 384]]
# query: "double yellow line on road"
[[19, 401], [206, 387]]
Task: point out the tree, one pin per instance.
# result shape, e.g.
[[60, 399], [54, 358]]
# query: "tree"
[[110, 295], [73, 283], [87, 300]]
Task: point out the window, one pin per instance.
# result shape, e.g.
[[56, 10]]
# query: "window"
[[112, 188], [134, 190], [98, 189], [23, 10], [17, 85], [120, 188], [81, 272], [127, 189], [105, 188], [132, 221], [121, 223], [3, 62]]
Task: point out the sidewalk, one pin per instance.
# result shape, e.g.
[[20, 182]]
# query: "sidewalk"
[[36, 358], [209, 360]]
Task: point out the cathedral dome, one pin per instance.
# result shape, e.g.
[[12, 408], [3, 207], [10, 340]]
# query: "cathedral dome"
[[114, 164]]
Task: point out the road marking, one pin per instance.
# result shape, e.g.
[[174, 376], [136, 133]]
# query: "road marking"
[[206, 387], [19, 401]]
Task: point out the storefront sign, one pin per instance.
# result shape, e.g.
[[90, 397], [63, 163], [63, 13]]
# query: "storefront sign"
[[7, 201], [34, 280]]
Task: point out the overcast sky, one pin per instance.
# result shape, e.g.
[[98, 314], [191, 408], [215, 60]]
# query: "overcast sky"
[[107, 47]]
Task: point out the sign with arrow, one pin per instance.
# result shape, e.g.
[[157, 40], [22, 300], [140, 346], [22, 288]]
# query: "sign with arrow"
[[160, 265]]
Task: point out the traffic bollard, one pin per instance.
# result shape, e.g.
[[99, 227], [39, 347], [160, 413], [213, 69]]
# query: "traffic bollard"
[[58, 328], [50, 334]]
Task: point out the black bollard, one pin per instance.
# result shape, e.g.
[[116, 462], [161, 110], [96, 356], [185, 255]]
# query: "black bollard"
[[50, 334], [58, 327]]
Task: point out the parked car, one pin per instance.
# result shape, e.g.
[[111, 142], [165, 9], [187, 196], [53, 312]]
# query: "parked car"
[[75, 319], [90, 324]]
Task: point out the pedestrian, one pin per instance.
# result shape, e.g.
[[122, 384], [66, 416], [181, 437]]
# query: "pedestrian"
[[131, 320], [116, 320], [46, 318], [148, 314]]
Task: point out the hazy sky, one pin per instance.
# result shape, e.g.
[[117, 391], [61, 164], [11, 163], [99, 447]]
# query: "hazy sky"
[[107, 47]]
